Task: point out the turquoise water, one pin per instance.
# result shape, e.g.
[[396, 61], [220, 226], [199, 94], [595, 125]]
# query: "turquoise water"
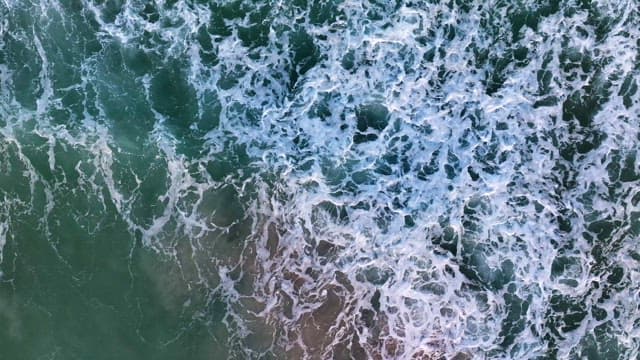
[[319, 179]]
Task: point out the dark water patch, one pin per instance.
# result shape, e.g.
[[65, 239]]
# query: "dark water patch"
[[325, 12], [305, 55], [514, 323], [257, 33], [628, 88], [374, 116], [173, 96], [600, 345], [568, 313]]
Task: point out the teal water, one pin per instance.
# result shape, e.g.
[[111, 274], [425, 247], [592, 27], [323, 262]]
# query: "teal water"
[[319, 179]]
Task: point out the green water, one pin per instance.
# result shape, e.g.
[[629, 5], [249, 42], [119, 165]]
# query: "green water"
[[77, 283]]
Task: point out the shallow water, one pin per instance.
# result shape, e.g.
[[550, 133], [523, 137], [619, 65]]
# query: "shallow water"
[[319, 179]]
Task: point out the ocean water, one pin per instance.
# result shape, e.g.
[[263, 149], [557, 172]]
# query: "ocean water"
[[319, 179]]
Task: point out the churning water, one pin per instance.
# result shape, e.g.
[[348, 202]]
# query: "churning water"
[[319, 179]]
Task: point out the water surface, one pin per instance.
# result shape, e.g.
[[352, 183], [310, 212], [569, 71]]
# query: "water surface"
[[327, 179]]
